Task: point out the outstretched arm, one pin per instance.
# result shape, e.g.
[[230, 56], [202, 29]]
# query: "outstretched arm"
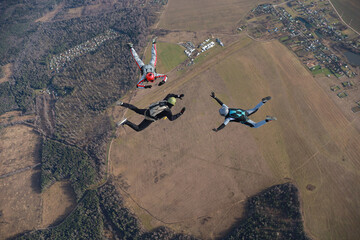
[[161, 76], [219, 128], [227, 120], [172, 117], [140, 84], [174, 95], [214, 97]]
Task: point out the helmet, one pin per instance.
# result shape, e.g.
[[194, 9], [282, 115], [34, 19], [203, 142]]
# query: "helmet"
[[150, 76], [224, 111], [172, 100]]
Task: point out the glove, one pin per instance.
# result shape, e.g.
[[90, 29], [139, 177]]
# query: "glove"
[[212, 95], [148, 86], [182, 110], [214, 129], [161, 83], [181, 96]]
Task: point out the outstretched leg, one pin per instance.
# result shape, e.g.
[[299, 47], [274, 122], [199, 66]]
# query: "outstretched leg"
[[253, 124], [153, 55], [133, 108], [254, 110], [138, 60], [144, 124]]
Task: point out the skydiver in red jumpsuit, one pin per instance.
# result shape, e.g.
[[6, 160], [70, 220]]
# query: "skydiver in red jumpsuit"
[[147, 71]]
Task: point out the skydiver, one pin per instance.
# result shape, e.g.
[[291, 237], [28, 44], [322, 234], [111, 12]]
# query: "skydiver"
[[155, 112], [147, 71], [240, 115]]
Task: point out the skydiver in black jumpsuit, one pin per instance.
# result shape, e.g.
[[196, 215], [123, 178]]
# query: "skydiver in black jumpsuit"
[[168, 102]]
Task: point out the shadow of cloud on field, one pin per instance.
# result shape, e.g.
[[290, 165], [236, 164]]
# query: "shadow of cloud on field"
[[274, 213]]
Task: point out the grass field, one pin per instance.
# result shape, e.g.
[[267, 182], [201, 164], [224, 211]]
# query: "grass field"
[[50, 15], [6, 72], [22, 206], [317, 70], [169, 56], [349, 10], [57, 202], [20, 198], [14, 116], [204, 14], [183, 172]]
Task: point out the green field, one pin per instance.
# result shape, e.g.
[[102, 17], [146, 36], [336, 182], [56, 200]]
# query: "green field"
[[169, 56], [317, 70], [350, 11]]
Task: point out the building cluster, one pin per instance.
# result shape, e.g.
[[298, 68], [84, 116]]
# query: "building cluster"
[[347, 85], [305, 34], [189, 48], [192, 51], [207, 46], [61, 60]]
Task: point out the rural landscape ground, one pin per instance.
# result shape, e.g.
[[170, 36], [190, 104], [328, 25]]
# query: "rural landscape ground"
[[181, 174]]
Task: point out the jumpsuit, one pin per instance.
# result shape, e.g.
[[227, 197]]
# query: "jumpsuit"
[[240, 115], [149, 119], [148, 68]]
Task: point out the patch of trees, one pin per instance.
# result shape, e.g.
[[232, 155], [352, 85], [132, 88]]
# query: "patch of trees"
[[85, 222], [164, 233], [122, 222], [7, 99], [60, 161], [38, 41], [272, 214], [17, 23], [162, 2], [96, 208], [90, 83]]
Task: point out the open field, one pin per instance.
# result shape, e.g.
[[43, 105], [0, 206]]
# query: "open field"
[[20, 199], [349, 11], [49, 16], [58, 201], [11, 140], [6, 72], [204, 14], [194, 180], [14, 116], [22, 206], [169, 55]]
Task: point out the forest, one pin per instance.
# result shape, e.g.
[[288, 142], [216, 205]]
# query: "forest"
[[60, 161], [272, 214], [85, 222], [97, 211]]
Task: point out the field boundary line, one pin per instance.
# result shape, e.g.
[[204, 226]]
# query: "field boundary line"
[[9, 174]]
